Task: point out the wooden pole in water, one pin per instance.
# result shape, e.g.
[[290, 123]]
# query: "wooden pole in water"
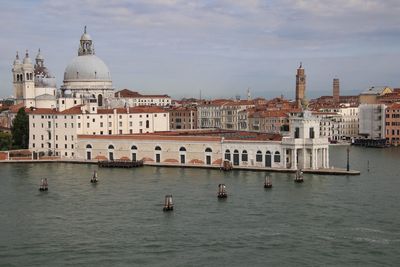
[[348, 158]]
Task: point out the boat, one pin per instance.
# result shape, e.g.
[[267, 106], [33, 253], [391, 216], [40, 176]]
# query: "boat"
[[222, 191], [44, 186], [168, 203], [299, 176], [267, 183], [94, 178]]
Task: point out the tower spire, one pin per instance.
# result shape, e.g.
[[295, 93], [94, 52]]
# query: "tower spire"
[[84, 31]]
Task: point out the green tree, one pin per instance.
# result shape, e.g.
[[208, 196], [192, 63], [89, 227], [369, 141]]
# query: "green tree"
[[5, 141], [20, 130]]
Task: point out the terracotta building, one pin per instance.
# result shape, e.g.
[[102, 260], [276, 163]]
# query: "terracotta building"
[[183, 118], [392, 121]]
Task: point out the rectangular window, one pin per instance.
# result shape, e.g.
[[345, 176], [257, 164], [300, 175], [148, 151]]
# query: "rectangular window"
[[101, 124], [120, 131], [65, 146], [120, 124], [33, 145], [109, 124], [33, 137], [79, 125], [109, 132], [65, 138], [41, 137], [88, 125], [130, 124], [33, 124], [56, 145], [311, 133], [65, 125], [297, 132]]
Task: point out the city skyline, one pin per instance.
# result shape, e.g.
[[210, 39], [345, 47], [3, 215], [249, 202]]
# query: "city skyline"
[[182, 47]]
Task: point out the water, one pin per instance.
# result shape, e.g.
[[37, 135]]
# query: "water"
[[327, 220]]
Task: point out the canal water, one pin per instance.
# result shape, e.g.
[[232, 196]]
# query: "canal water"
[[327, 220]]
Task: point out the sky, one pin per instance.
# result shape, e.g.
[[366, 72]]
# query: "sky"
[[219, 48]]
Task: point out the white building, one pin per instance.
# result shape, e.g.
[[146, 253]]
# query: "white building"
[[55, 132], [223, 114], [303, 149], [372, 121], [128, 98]]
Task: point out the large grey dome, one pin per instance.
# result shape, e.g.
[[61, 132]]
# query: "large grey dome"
[[87, 67]]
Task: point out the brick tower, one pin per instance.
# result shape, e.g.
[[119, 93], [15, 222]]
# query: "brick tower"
[[300, 86], [336, 90]]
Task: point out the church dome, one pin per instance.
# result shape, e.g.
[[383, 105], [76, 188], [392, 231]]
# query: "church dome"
[[86, 37], [87, 67]]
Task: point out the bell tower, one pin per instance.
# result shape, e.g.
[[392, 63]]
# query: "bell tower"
[[17, 79], [28, 84], [300, 86], [86, 44]]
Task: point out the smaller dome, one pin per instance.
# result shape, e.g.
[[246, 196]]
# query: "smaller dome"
[[86, 37], [17, 61], [27, 60], [39, 56]]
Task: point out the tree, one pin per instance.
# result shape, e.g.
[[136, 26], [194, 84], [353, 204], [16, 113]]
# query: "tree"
[[20, 130], [5, 141]]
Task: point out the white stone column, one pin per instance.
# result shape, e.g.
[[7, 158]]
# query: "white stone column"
[[284, 158], [313, 158], [327, 157], [324, 157], [316, 158], [294, 157]]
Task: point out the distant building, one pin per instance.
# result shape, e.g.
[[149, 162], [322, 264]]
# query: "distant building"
[[392, 123], [372, 121], [182, 118], [221, 113], [127, 98]]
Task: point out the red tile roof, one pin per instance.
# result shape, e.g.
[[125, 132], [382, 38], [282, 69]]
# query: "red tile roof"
[[195, 135], [126, 93]]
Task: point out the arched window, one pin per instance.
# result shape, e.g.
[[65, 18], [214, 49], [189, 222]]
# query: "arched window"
[[227, 154], [110, 147], [208, 149], [259, 156], [133, 148], [236, 151], [158, 148], [277, 157], [147, 124], [244, 155], [88, 146], [182, 149], [100, 100]]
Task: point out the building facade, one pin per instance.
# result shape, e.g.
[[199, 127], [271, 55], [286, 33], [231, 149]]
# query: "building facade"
[[392, 123], [183, 118], [127, 98], [53, 132]]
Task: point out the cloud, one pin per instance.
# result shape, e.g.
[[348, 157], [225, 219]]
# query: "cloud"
[[218, 44]]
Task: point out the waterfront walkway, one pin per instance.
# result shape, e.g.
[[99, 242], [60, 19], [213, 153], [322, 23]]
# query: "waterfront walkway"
[[321, 171]]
